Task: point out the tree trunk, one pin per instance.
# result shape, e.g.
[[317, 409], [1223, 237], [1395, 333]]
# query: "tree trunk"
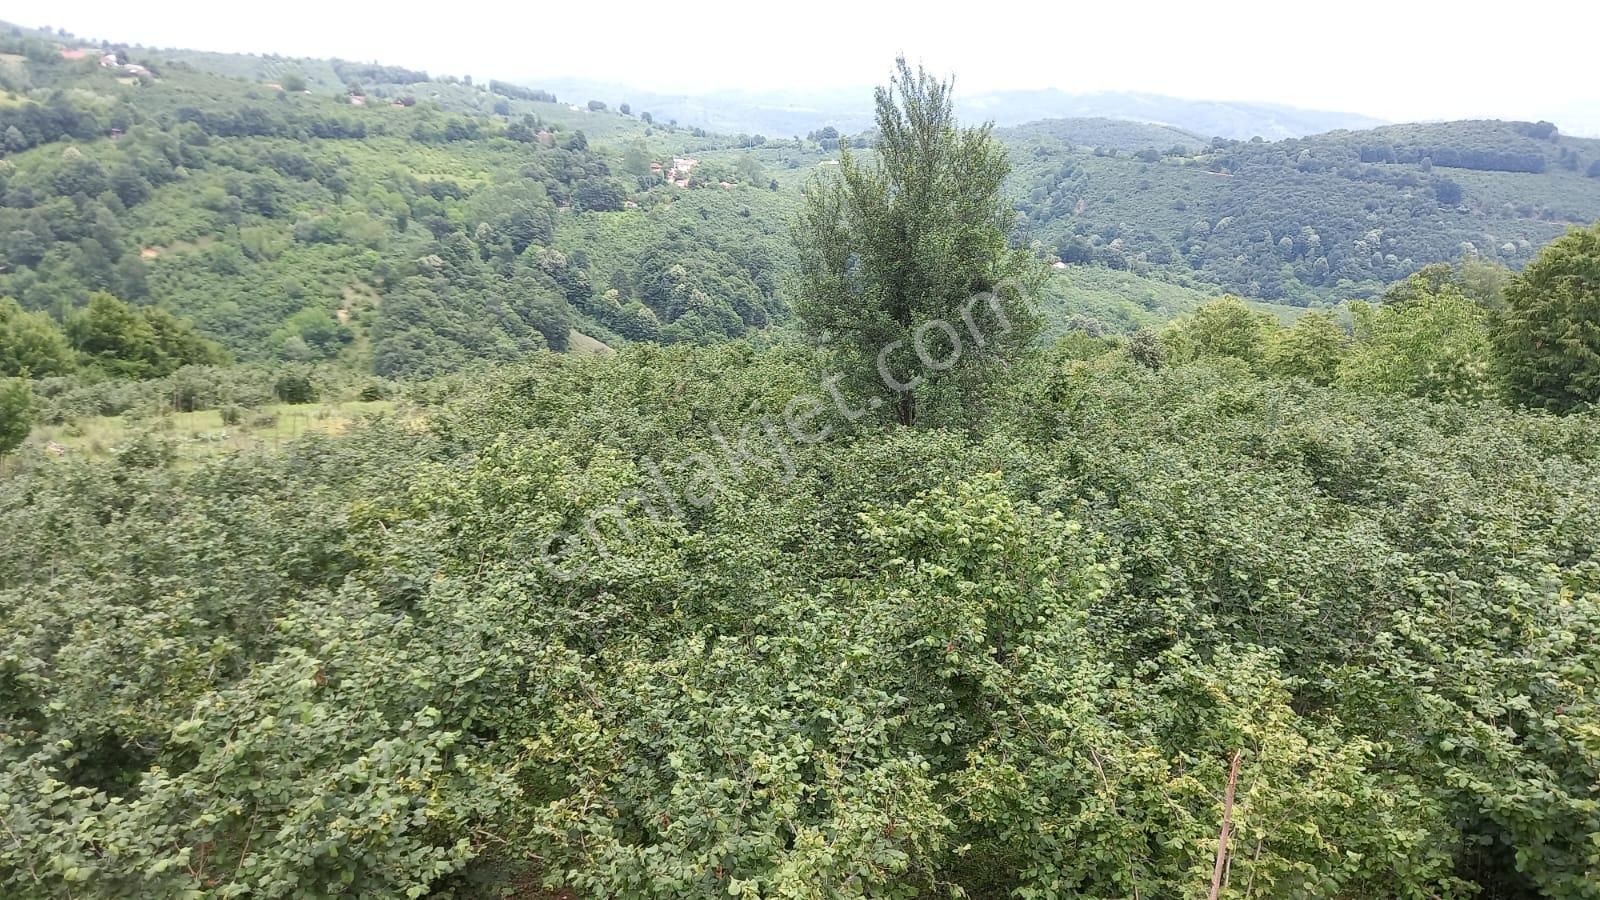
[[1227, 827]]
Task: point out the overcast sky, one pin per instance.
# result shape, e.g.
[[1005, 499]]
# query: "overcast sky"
[[1398, 61]]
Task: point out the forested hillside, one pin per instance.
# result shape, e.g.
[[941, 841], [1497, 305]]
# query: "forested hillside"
[[403, 225], [403, 228], [1323, 218], [456, 492]]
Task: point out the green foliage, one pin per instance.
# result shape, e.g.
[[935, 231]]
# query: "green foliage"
[[1117, 302], [912, 243], [31, 344], [1014, 660], [89, 394], [1311, 349], [1107, 134], [258, 215], [1437, 345], [1550, 333], [1321, 218], [312, 334], [1481, 280], [749, 169], [636, 159], [626, 625], [1227, 327], [1145, 348], [295, 387], [136, 343], [600, 195], [690, 270], [16, 413], [1430, 341]]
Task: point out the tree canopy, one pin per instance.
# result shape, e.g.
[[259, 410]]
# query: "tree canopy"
[[1551, 335], [16, 413], [903, 256]]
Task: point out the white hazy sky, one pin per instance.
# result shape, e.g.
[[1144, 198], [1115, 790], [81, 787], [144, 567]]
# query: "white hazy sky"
[[1397, 60]]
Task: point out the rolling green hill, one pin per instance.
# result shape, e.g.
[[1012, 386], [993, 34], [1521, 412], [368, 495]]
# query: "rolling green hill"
[[1097, 300], [1105, 134], [405, 224], [1327, 217], [402, 228]]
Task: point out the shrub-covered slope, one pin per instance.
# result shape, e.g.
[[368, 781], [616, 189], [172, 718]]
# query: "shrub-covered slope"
[[561, 635]]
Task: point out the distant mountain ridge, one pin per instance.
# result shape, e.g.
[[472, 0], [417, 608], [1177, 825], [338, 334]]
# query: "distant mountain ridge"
[[1107, 134], [1205, 118], [786, 113]]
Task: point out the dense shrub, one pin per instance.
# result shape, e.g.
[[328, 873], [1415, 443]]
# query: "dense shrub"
[[295, 387], [16, 413], [1550, 335], [1013, 660]]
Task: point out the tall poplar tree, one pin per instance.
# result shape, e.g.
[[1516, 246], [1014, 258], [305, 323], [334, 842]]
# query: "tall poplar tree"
[[904, 265]]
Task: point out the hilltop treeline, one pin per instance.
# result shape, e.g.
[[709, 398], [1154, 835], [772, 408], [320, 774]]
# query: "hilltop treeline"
[[518, 92]]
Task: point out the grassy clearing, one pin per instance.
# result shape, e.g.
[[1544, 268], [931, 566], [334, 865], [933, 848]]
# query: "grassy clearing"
[[1123, 302], [578, 342], [197, 435]]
